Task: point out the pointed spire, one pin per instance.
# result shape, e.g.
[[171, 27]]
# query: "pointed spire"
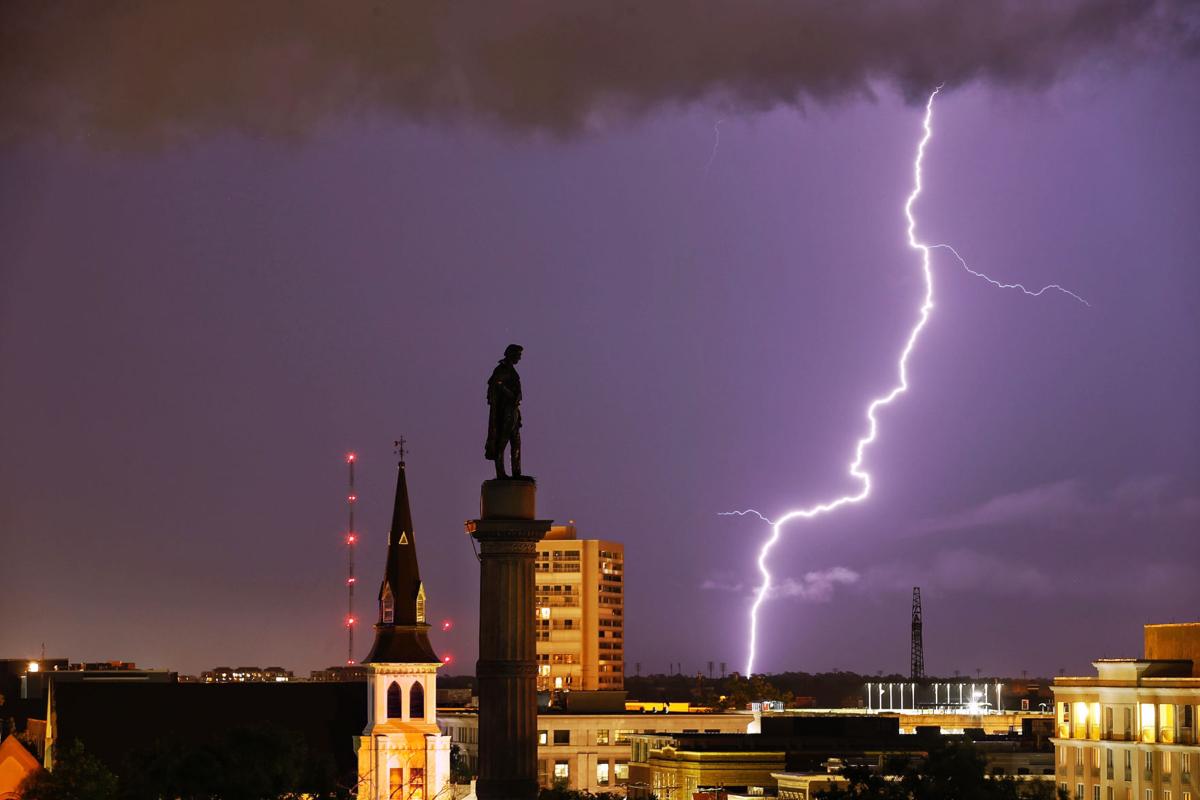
[[401, 635]]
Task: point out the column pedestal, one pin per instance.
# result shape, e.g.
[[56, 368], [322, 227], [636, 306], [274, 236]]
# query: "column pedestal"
[[508, 536]]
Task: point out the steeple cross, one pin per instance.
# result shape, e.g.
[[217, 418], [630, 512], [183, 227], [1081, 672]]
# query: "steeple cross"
[[399, 448]]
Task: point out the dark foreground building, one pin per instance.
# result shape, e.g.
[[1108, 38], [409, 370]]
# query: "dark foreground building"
[[129, 727]]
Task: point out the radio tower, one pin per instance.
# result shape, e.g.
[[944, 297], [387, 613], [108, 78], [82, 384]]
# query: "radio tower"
[[351, 540], [917, 667]]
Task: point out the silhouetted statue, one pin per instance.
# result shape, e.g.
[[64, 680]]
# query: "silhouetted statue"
[[504, 412]]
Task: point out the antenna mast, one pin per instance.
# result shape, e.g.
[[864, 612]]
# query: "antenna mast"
[[351, 540], [917, 657]]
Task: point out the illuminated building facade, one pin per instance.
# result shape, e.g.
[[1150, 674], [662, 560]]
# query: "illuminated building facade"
[[1130, 733], [580, 612], [401, 754], [591, 751]]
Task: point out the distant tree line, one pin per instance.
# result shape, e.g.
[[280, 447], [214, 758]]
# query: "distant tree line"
[[795, 689]]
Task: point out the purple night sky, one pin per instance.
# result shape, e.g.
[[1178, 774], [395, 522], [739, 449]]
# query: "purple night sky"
[[196, 326]]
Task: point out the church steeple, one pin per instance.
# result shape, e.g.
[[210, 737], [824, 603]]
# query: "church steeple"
[[401, 635]]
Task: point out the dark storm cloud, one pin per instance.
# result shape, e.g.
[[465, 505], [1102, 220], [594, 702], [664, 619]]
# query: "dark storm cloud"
[[145, 71]]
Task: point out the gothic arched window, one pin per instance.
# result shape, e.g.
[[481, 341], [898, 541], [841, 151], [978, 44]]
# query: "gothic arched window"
[[416, 702], [387, 606], [395, 709]]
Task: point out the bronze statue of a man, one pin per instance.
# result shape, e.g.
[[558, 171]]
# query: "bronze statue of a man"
[[504, 412]]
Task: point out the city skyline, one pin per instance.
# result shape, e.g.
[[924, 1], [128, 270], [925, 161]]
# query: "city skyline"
[[195, 330]]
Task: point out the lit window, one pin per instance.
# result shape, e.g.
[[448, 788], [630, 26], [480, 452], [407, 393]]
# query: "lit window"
[[562, 770], [543, 737], [602, 736], [387, 606], [621, 771], [1147, 722], [602, 773]]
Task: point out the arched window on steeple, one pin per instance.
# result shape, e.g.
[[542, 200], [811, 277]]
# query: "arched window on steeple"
[[416, 702], [387, 606], [395, 710], [421, 603]]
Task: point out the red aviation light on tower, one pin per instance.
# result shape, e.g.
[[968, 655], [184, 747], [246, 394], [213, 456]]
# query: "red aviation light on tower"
[[446, 659], [351, 538], [447, 624]]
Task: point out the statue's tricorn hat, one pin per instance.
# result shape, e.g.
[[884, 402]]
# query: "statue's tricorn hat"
[[512, 350]]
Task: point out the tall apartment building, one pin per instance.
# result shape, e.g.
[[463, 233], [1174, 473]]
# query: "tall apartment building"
[[1130, 733], [580, 612]]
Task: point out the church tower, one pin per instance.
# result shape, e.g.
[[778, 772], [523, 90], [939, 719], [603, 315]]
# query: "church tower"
[[402, 755]]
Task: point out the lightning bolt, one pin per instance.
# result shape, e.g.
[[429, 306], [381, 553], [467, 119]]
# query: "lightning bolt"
[[716, 143], [856, 470], [1018, 286]]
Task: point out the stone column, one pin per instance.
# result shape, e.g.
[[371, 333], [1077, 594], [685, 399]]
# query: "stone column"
[[508, 536]]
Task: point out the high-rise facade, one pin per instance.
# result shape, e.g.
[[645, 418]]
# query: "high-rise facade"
[[580, 612], [402, 755], [1130, 733]]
